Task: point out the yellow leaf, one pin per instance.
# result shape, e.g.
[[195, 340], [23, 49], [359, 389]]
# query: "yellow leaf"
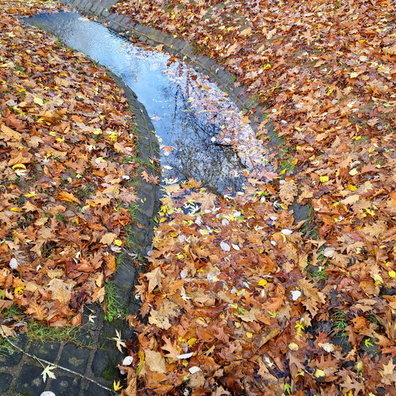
[[352, 187], [319, 373], [324, 179], [392, 274], [354, 75], [262, 282], [117, 385], [19, 290], [39, 101], [22, 166]]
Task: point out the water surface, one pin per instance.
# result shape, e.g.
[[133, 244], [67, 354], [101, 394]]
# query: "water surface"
[[201, 133]]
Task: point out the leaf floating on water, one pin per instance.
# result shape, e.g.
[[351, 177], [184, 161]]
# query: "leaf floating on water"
[[167, 150]]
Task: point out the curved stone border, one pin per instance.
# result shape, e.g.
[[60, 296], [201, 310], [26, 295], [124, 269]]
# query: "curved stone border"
[[121, 24], [142, 230]]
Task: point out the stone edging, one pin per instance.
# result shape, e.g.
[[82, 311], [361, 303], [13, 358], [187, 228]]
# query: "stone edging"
[[148, 203]]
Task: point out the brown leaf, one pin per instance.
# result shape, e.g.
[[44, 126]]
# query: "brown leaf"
[[154, 278], [67, 197], [10, 134], [108, 238], [288, 191], [155, 361]]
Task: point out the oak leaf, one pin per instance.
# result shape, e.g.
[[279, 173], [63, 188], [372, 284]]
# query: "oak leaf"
[[288, 191], [171, 348], [314, 298]]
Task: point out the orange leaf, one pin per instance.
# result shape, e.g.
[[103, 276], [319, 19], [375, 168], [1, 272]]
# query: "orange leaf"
[[66, 196]]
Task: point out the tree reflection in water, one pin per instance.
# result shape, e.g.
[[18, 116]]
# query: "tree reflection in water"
[[205, 135], [197, 152]]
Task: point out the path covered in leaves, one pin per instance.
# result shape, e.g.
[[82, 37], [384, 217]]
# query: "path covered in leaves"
[[67, 152], [239, 299]]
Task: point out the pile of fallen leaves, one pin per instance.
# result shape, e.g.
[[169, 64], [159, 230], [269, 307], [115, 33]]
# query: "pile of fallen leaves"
[[239, 299], [67, 158]]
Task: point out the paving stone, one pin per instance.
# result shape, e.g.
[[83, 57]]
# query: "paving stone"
[[125, 277], [104, 365], [5, 381], [48, 351], [8, 359], [30, 381], [65, 386], [94, 390], [74, 358]]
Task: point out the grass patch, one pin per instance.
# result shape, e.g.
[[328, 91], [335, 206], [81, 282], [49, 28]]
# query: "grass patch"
[[113, 306], [43, 333]]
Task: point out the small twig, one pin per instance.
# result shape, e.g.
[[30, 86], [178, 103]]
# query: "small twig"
[[53, 364]]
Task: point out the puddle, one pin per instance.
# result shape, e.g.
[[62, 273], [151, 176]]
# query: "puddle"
[[201, 133]]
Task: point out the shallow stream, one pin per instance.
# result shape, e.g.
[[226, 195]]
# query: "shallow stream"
[[201, 132]]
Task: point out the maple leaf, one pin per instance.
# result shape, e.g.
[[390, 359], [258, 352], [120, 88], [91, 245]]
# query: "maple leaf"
[[388, 373], [119, 342], [60, 290], [108, 238], [314, 298], [38, 311], [48, 372], [161, 316], [10, 133], [130, 390], [154, 278], [5, 304], [6, 331]]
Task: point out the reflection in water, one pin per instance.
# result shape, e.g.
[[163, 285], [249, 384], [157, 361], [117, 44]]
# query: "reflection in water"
[[195, 122]]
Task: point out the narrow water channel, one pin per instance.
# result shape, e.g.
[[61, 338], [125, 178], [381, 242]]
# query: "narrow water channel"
[[201, 133]]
